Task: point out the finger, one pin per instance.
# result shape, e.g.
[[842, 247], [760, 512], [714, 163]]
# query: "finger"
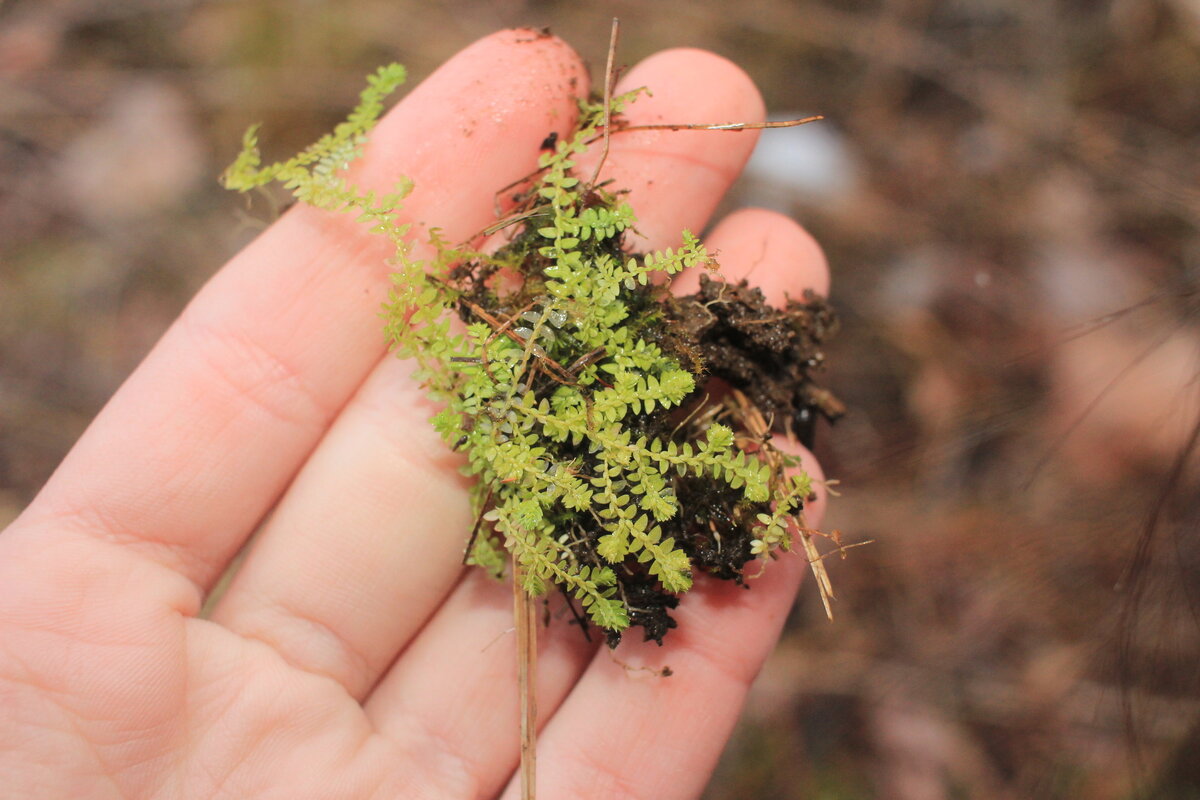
[[201, 440], [434, 688], [370, 538], [365, 544], [626, 732], [780, 257], [676, 178], [623, 732], [456, 684]]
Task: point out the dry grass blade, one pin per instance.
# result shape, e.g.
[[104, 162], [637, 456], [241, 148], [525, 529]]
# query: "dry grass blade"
[[817, 563]]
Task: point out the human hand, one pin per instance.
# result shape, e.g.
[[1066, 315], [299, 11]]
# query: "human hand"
[[351, 657]]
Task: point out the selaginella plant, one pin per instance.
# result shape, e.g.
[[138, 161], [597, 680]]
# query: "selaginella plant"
[[579, 389]]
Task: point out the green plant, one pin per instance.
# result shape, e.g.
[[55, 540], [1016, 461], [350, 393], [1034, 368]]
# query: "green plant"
[[574, 386]]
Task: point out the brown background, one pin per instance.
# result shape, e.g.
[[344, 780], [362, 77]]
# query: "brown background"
[[1008, 195]]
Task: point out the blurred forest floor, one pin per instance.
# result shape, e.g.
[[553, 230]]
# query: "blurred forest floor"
[[1008, 194]]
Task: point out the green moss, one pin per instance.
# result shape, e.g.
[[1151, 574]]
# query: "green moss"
[[579, 414]]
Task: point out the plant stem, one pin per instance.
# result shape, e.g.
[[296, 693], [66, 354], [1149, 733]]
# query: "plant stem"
[[609, 79], [525, 615]]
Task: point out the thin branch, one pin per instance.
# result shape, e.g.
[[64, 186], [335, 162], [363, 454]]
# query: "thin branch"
[[610, 129], [721, 126], [609, 79], [507, 221], [483, 509], [525, 614]]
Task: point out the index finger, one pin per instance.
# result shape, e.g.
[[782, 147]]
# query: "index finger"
[[198, 444]]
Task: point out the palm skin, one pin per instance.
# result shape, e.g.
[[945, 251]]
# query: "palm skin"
[[351, 656]]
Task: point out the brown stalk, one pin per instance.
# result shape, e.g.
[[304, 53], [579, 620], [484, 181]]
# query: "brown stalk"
[[720, 126], [525, 614], [609, 78]]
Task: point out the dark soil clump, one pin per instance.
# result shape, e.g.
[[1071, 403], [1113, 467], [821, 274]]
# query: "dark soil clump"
[[766, 353]]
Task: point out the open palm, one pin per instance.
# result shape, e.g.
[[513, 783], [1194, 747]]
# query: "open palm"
[[351, 656]]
